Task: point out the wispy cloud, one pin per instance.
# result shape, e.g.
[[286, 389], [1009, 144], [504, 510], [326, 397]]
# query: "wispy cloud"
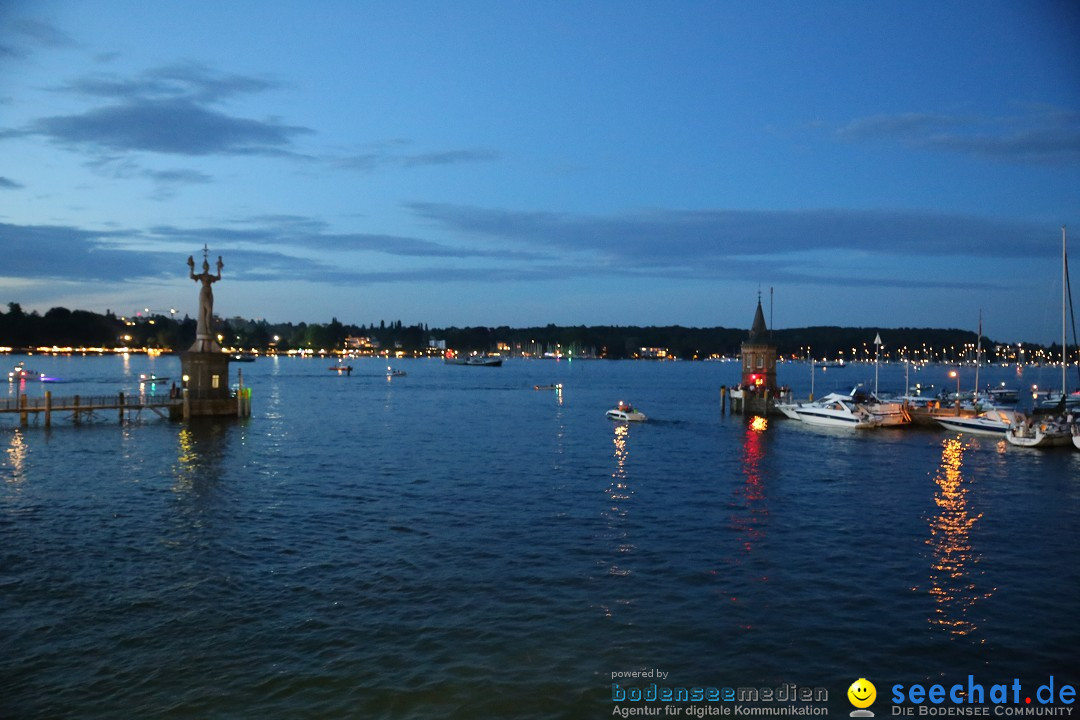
[[815, 247], [1046, 136], [9, 184], [177, 126], [23, 35], [168, 110], [302, 234], [387, 157], [670, 238], [188, 80]]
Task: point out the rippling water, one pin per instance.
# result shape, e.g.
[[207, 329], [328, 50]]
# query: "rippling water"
[[455, 544]]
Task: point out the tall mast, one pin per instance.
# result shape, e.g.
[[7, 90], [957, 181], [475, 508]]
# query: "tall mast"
[[1064, 285], [978, 358]]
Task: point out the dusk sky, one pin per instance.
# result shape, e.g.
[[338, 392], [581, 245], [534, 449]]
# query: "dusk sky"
[[877, 164]]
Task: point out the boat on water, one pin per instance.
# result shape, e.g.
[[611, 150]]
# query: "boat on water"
[[476, 359], [1050, 427], [625, 412], [21, 373], [151, 378], [243, 357], [992, 422], [392, 372], [1032, 433], [341, 369], [556, 386], [835, 410], [1076, 435]]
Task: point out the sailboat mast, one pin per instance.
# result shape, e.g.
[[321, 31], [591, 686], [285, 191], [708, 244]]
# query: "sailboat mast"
[[1064, 286], [978, 358]]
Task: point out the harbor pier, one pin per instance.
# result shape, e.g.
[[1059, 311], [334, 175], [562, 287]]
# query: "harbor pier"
[[85, 407]]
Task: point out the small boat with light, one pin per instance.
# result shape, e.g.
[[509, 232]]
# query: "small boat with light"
[[151, 378], [391, 372], [625, 412], [21, 373], [556, 386], [341, 369]]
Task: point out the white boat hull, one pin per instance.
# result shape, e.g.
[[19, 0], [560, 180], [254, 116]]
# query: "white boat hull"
[[816, 416], [994, 423], [788, 410], [1042, 436], [623, 416]]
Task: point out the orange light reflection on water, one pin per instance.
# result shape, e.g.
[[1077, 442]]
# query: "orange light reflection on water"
[[951, 584], [16, 456], [619, 493]]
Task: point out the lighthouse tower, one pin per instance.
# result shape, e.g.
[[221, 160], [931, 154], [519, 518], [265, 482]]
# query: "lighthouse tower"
[[759, 358]]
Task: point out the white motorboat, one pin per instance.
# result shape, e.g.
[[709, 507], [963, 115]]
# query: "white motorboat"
[[1038, 433], [21, 373], [625, 412], [475, 359], [1076, 435], [836, 410], [788, 409], [392, 372], [891, 412], [991, 422]]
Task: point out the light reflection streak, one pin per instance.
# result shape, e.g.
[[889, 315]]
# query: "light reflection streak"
[[951, 585], [750, 496], [619, 494], [16, 456], [187, 461], [749, 504]]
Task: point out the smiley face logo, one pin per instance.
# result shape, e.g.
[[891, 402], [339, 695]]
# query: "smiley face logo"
[[862, 693]]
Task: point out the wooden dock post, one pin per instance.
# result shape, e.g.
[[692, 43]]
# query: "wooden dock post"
[[22, 410], [121, 404], [723, 399], [187, 404], [48, 408], [75, 407]]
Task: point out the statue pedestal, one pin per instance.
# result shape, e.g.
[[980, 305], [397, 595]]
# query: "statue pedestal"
[[206, 384]]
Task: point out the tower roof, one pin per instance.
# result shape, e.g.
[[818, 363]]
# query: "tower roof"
[[758, 332]]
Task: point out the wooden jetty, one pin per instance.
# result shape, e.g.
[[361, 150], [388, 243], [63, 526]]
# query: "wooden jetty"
[[84, 407]]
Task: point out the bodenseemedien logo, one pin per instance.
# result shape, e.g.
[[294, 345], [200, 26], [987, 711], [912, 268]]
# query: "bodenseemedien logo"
[[861, 694]]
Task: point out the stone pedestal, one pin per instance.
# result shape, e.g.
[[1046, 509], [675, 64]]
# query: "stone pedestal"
[[206, 384]]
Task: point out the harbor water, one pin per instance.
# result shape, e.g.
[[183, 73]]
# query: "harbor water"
[[453, 543]]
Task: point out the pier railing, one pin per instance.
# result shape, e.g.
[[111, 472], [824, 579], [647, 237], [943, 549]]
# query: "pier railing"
[[83, 402]]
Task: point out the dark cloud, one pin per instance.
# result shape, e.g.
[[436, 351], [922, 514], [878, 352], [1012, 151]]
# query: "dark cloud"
[[8, 184], [1044, 137], [310, 234], [179, 127], [670, 238], [370, 161], [69, 253], [167, 110], [776, 246], [23, 35], [188, 81]]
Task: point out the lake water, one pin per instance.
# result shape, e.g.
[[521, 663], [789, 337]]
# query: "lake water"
[[456, 544]]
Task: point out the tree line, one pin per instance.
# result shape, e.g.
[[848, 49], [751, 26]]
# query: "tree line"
[[80, 328]]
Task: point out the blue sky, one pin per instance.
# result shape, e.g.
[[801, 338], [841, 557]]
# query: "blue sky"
[[522, 163]]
